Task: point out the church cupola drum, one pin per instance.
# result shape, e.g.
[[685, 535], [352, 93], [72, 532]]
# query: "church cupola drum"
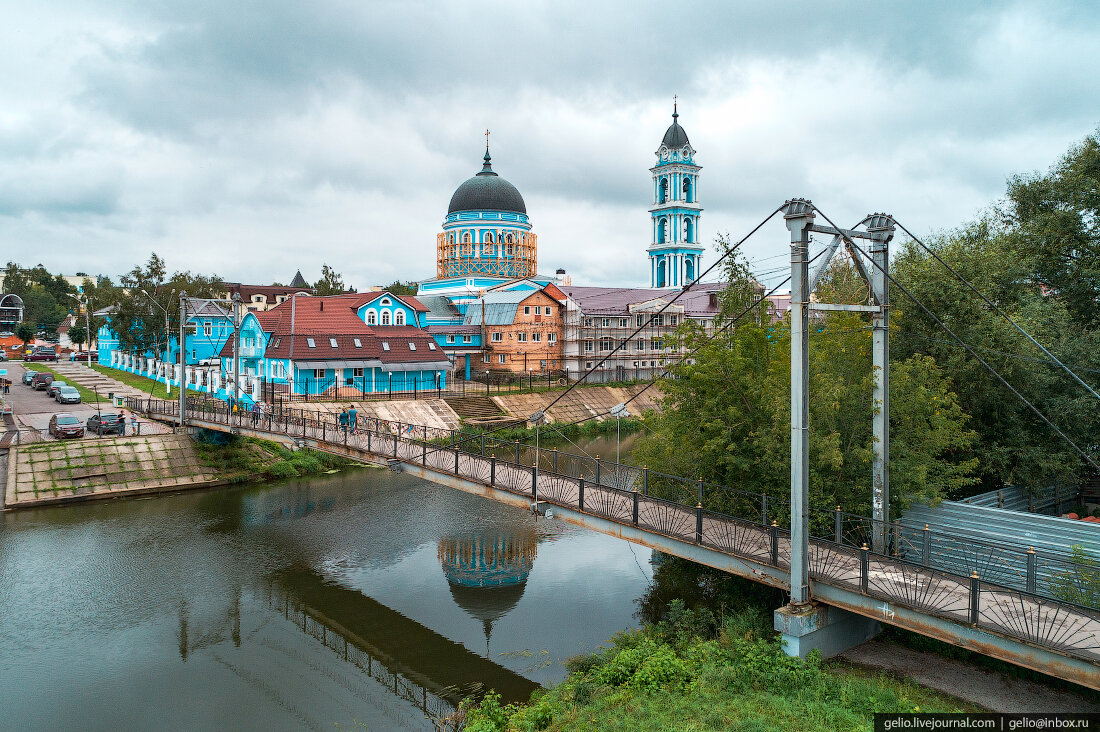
[[486, 231], [675, 255]]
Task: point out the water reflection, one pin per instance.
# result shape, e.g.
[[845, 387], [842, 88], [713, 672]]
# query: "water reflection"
[[487, 572]]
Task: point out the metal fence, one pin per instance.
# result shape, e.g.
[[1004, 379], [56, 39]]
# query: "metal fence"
[[1052, 601]]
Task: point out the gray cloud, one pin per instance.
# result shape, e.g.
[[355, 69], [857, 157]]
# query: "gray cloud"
[[256, 138]]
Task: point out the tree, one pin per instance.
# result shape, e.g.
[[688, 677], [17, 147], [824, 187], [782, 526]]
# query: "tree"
[[1056, 217], [726, 417], [397, 287], [24, 332], [331, 283], [78, 335]]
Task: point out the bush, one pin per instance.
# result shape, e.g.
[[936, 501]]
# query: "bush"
[[282, 469]]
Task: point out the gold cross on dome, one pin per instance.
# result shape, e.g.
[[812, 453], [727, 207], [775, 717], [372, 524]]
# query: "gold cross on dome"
[[486, 139]]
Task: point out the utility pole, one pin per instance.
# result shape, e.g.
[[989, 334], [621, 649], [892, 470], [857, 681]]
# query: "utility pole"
[[881, 229], [236, 344], [798, 214], [183, 359]]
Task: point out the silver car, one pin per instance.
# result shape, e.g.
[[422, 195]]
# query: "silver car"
[[67, 395]]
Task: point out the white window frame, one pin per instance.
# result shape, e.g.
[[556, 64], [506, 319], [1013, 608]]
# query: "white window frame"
[[526, 309], [551, 338], [467, 339], [521, 337], [357, 373], [503, 358], [451, 338], [536, 337], [496, 336]]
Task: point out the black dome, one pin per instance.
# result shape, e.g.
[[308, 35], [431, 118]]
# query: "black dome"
[[675, 135], [487, 191]]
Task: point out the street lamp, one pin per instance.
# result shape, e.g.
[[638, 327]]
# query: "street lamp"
[[618, 412], [167, 344]]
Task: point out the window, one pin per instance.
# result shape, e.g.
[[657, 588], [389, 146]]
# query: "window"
[[372, 318], [385, 345], [656, 344], [431, 345], [672, 320], [607, 322], [536, 337], [206, 328], [551, 338], [450, 339], [357, 373], [387, 301], [588, 364], [502, 358], [466, 339], [640, 320], [526, 309], [358, 343], [385, 317], [588, 346], [399, 317], [310, 342], [521, 337], [624, 322], [605, 344], [496, 337], [412, 346], [546, 310], [658, 319], [332, 342], [318, 373], [588, 322], [277, 342], [639, 345], [485, 358], [542, 365]]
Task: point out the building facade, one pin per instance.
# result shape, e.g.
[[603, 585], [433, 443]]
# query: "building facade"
[[675, 255], [521, 328]]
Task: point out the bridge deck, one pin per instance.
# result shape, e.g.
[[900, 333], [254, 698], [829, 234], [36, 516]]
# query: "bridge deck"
[[1048, 635]]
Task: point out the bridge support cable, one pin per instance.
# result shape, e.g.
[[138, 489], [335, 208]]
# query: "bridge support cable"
[[997, 309], [1088, 458]]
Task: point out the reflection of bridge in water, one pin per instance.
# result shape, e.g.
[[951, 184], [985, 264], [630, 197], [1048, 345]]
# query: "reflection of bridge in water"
[[914, 583], [427, 670]]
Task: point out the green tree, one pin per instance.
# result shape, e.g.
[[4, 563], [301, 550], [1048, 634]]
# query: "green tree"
[[726, 417], [24, 332], [78, 335], [331, 283], [397, 287], [1056, 219]]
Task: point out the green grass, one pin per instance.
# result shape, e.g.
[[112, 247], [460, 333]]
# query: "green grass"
[[247, 459], [86, 395], [697, 672], [141, 383]]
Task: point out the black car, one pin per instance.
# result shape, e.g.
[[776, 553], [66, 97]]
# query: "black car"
[[41, 381], [106, 423]]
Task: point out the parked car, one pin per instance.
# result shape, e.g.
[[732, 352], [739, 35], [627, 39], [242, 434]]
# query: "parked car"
[[106, 423], [65, 425], [6, 334], [67, 395], [42, 354], [28, 375], [51, 390], [3, 355], [40, 382], [87, 357]]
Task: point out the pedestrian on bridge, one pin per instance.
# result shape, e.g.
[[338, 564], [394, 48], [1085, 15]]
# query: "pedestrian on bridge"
[[353, 418], [255, 413], [343, 420]]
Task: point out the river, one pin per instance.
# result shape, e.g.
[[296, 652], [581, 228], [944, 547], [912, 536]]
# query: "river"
[[364, 598]]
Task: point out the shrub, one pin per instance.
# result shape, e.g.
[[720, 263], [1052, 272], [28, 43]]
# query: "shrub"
[[282, 469]]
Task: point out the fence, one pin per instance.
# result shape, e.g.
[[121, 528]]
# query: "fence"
[[1053, 601]]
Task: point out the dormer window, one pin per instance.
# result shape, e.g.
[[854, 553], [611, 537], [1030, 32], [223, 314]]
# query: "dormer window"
[[358, 343], [276, 343], [310, 342], [385, 346], [332, 342], [387, 301], [412, 346], [431, 346]]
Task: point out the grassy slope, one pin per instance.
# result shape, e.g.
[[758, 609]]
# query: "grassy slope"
[[687, 674], [153, 388], [247, 459]]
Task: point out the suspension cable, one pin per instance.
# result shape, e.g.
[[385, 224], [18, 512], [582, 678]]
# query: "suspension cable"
[[993, 305]]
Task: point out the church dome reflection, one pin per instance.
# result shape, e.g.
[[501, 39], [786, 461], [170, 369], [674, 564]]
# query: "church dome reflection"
[[487, 572]]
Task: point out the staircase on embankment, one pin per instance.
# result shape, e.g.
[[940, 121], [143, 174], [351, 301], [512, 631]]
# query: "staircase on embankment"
[[480, 410]]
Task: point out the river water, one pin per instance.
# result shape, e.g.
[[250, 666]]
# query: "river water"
[[360, 599]]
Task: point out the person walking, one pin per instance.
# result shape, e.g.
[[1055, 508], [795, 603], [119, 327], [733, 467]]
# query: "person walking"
[[353, 418], [122, 423], [343, 420]]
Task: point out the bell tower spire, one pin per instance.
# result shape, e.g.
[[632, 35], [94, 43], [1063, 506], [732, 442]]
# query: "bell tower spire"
[[675, 254]]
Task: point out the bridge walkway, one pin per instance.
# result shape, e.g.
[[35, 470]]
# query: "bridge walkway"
[[1021, 626]]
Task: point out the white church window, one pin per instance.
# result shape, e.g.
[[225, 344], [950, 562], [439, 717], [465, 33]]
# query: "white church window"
[[385, 317], [372, 318], [399, 317]]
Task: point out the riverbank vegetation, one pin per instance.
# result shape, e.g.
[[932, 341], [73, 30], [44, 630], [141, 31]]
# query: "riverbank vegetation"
[[706, 659], [526, 435], [242, 459]]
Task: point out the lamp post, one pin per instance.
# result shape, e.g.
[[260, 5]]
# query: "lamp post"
[[167, 343], [618, 412]]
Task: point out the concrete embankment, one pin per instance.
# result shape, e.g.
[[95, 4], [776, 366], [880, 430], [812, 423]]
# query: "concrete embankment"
[[75, 470], [581, 403]]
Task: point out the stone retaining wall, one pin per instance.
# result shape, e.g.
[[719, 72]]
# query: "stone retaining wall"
[[581, 403], [67, 470]]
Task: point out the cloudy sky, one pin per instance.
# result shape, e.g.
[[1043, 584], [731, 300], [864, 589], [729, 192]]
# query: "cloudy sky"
[[251, 139]]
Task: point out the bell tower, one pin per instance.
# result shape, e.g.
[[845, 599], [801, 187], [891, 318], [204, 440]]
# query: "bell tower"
[[675, 254]]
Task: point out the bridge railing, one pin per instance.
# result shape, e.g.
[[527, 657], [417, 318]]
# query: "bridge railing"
[[1020, 593]]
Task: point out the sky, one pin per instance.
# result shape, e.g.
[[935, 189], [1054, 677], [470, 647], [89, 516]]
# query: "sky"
[[252, 139]]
